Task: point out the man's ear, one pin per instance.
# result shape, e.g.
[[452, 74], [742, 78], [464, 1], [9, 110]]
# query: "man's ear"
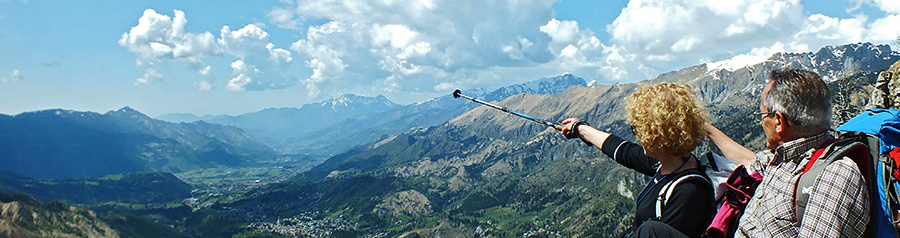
[[780, 123]]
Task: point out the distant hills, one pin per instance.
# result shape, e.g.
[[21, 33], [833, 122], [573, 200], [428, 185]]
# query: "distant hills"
[[68, 144], [276, 126], [336, 125]]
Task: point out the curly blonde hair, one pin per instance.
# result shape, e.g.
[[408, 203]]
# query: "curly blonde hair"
[[667, 117]]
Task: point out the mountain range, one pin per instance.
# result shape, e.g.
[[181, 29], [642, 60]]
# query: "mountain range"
[[276, 126], [58, 144], [336, 125]]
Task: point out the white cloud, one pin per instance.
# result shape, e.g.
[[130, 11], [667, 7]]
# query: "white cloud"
[[150, 75], [682, 33], [159, 38], [204, 85], [886, 29], [243, 75], [207, 71], [653, 36], [820, 30], [284, 18], [244, 41], [15, 76], [260, 65], [417, 46], [414, 45], [889, 6]]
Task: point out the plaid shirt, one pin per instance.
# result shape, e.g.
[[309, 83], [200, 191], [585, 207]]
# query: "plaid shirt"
[[838, 203]]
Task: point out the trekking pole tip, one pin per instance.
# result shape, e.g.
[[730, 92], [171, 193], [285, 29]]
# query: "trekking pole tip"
[[456, 93]]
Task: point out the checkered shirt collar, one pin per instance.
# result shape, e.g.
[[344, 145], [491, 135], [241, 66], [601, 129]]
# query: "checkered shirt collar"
[[795, 149]]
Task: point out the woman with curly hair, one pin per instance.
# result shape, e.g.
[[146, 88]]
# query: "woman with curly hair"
[[668, 122]]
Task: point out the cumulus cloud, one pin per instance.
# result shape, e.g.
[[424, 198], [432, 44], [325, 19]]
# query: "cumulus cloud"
[[575, 49], [885, 29], [433, 45], [682, 33], [159, 38], [258, 61], [407, 46], [150, 75], [890, 6], [15, 76]]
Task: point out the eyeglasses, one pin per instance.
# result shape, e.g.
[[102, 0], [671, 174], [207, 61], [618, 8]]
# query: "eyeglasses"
[[762, 115]]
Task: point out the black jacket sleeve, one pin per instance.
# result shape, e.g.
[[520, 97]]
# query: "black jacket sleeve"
[[629, 154]]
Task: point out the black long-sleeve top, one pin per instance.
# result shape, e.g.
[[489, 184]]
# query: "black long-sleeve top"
[[692, 204]]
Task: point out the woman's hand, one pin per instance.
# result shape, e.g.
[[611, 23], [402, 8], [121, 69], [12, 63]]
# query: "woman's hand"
[[567, 127]]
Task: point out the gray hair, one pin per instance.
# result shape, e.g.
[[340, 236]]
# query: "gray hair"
[[802, 97]]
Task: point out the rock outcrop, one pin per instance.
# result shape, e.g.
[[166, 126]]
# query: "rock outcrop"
[[887, 89]]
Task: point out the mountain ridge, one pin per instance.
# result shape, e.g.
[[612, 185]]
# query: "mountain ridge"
[[276, 126], [364, 129], [59, 143]]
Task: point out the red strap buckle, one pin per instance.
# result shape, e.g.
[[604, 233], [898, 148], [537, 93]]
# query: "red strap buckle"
[[817, 155], [895, 156]]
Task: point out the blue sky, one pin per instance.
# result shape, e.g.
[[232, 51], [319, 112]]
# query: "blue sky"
[[232, 57]]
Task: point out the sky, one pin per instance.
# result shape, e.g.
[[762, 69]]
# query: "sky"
[[232, 57]]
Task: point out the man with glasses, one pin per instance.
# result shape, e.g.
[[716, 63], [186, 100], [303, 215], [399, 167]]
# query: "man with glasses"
[[795, 114]]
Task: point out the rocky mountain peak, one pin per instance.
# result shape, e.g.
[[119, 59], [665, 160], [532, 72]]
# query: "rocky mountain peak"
[[128, 112], [350, 101]]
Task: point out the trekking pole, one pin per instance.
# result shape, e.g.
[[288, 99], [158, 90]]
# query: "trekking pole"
[[557, 126]]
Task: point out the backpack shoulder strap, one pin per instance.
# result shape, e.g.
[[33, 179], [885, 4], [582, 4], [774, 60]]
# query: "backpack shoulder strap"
[[666, 191], [833, 152]]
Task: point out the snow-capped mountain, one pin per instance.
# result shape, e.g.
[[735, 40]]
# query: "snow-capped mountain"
[[273, 126], [366, 128]]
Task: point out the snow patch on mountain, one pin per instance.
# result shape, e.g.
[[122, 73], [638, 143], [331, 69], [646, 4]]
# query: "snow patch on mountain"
[[735, 63]]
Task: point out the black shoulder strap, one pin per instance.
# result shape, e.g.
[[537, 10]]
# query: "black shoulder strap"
[[834, 152]]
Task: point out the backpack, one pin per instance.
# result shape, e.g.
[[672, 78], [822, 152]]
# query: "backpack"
[[872, 141], [739, 189], [666, 191], [732, 186], [717, 170]]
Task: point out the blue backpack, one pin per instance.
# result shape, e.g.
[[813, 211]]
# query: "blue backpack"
[[868, 139]]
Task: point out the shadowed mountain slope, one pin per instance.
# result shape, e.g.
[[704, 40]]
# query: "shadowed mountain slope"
[[67, 144]]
